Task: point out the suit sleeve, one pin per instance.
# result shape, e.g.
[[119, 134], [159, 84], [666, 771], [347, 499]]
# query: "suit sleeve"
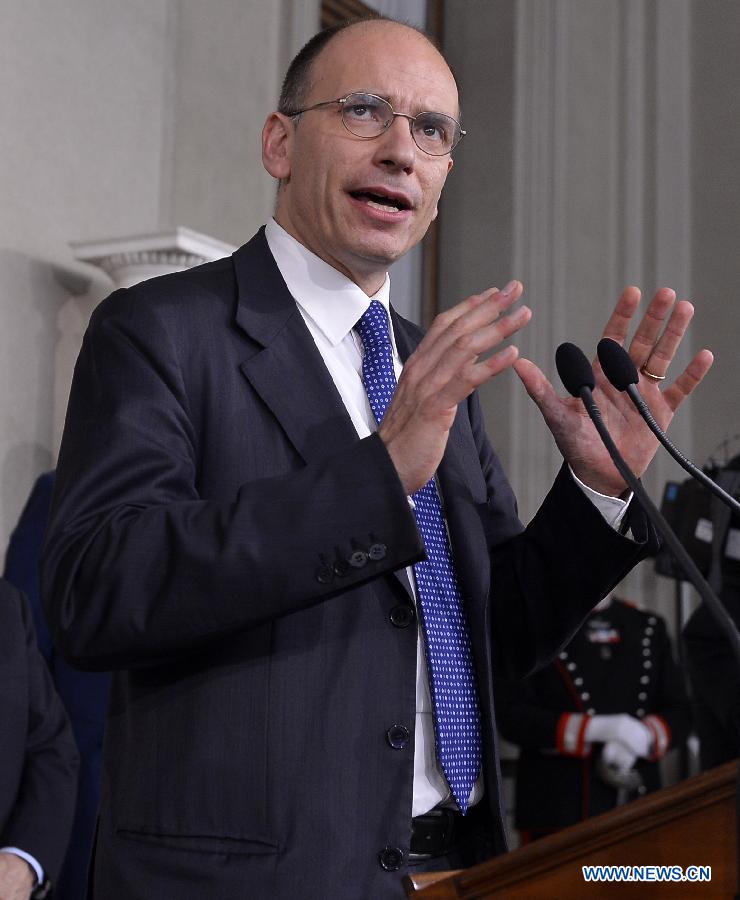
[[545, 578], [40, 820], [524, 720], [521, 718], [138, 567]]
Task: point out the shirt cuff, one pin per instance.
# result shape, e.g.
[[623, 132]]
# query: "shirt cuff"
[[611, 508], [31, 860]]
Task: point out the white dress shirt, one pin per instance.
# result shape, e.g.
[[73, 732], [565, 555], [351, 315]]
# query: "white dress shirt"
[[331, 304]]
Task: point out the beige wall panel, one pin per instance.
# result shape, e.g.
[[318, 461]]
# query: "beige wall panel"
[[118, 119], [82, 110], [228, 68], [716, 232]]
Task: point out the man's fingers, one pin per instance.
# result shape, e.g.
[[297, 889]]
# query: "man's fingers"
[[444, 320], [469, 346], [462, 357], [691, 376], [535, 382], [620, 320], [475, 312], [455, 337], [659, 332], [660, 356], [498, 362], [651, 325], [455, 390]]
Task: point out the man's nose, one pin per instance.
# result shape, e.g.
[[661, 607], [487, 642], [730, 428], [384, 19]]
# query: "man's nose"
[[396, 147]]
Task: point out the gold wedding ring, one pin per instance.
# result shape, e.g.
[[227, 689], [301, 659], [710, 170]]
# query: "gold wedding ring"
[[648, 374]]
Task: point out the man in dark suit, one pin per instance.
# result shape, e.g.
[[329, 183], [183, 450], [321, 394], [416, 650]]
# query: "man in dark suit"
[[84, 694], [231, 532], [38, 760]]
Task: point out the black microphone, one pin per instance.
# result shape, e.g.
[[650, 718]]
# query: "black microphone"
[[574, 369], [622, 373], [578, 378]]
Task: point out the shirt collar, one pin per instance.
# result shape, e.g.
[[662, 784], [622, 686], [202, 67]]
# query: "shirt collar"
[[330, 299]]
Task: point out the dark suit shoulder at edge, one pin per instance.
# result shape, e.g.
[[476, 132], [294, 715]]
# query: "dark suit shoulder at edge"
[[211, 281]]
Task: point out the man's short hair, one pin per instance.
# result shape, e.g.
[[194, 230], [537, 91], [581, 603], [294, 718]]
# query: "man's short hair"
[[297, 82]]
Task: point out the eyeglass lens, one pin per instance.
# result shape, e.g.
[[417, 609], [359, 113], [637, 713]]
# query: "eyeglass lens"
[[368, 116]]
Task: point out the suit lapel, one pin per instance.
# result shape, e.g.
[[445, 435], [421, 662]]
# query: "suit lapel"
[[286, 368]]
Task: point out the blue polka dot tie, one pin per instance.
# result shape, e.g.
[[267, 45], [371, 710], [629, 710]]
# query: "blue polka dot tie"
[[448, 651]]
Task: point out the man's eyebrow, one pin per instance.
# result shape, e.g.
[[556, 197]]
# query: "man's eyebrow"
[[394, 103], [385, 97]]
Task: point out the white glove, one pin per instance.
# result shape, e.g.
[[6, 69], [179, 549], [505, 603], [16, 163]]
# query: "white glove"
[[619, 757], [631, 732]]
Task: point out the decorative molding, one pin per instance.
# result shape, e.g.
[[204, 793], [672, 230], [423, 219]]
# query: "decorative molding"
[[132, 259]]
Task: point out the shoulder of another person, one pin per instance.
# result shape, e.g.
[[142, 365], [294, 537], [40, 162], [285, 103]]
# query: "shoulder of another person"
[[642, 624], [11, 600]]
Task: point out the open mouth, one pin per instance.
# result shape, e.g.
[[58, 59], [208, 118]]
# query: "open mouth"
[[380, 201]]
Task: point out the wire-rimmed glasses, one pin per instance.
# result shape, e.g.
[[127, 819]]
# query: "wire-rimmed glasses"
[[368, 116]]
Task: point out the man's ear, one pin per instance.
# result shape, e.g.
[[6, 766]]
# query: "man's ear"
[[277, 136]]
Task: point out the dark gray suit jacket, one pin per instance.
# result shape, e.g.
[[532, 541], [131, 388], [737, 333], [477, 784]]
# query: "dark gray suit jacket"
[[210, 490]]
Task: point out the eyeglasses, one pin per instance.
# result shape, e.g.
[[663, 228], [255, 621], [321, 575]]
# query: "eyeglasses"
[[368, 116]]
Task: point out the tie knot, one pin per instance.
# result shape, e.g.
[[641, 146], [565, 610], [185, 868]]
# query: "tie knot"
[[373, 326]]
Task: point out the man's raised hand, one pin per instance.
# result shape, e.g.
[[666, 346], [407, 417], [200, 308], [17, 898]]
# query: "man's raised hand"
[[444, 370], [652, 349]]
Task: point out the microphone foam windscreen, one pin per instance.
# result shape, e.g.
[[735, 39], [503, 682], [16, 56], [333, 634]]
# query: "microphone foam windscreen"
[[617, 364], [574, 369]]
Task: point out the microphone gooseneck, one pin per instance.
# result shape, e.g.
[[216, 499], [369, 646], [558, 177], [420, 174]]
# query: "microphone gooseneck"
[[572, 364], [619, 369]]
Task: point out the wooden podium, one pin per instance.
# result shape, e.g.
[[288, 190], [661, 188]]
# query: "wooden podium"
[[690, 824]]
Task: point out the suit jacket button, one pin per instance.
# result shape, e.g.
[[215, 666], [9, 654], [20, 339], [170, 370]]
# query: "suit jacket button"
[[325, 575], [402, 615], [341, 568], [391, 858], [358, 559], [377, 552], [398, 736]]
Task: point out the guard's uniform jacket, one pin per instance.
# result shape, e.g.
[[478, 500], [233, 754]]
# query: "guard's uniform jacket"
[[619, 662]]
